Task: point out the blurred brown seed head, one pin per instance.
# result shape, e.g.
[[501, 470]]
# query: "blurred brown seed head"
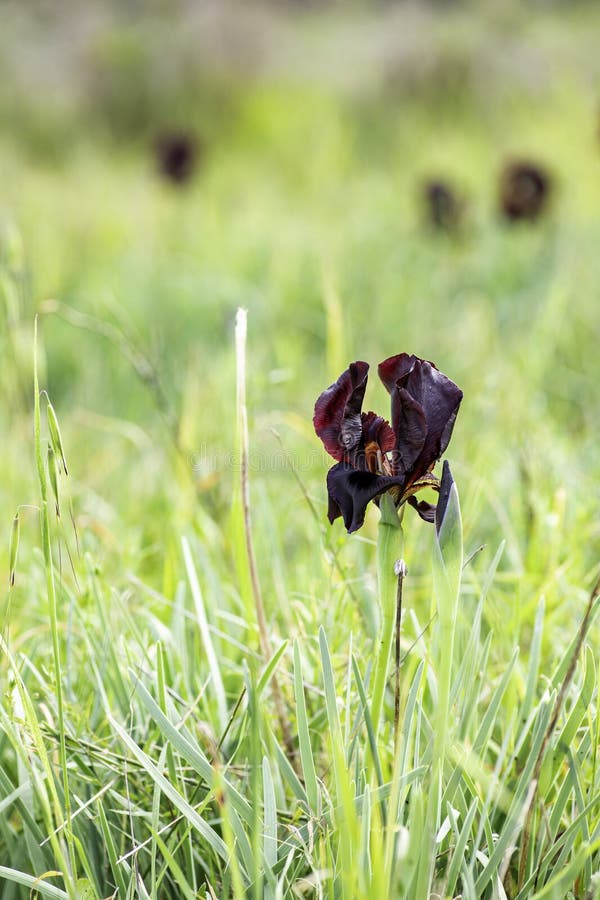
[[176, 154], [444, 209], [524, 190]]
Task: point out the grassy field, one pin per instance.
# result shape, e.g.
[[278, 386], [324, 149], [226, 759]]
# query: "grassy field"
[[142, 749]]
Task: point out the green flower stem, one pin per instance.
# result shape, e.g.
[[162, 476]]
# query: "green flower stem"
[[447, 570], [389, 550]]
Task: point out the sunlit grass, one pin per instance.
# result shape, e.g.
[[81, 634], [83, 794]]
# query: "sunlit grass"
[[178, 779]]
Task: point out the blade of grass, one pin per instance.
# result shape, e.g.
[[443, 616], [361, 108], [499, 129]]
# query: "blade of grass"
[[306, 755], [270, 830], [591, 608], [204, 629], [458, 854], [346, 821], [34, 884], [111, 852]]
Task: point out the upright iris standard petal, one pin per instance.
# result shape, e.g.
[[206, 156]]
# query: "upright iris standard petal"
[[395, 369], [337, 417], [440, 399], [410, 427], [352, 489], [424, 407]]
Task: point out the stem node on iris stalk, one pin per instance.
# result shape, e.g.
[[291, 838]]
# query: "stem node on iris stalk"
[[400, 569]]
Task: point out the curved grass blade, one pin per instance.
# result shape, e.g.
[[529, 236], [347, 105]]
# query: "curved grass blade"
[[33, 883], [306, 755]]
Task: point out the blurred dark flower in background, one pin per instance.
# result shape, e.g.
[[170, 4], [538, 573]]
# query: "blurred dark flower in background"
[[374, 458], [176, 153], [444, 209], [524, 190]]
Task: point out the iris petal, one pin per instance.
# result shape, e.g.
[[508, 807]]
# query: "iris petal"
[[410, 426], [333, 510], [375, 429], [424, 407], [337, 417], [352, 489], [426, 510], [440, 399], [395, 369]]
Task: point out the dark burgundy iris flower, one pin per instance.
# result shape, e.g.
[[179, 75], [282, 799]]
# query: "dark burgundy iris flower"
[[524, 190], [176, 154], [443, 206], [373, 457]]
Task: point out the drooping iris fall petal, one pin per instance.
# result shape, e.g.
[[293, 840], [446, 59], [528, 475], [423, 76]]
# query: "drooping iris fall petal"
[[352, 489], [337, 417], [426, 510]]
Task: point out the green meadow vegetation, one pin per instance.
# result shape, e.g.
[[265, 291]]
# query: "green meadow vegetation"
[[155, 740]]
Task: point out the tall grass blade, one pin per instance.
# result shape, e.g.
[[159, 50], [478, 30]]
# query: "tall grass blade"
[[306, 754], [204, 628]]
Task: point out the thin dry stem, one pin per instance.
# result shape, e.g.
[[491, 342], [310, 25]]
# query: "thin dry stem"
[[401, 572], [263, 632]]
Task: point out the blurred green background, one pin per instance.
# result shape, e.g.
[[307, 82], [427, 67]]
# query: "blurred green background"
[[315, 125]]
